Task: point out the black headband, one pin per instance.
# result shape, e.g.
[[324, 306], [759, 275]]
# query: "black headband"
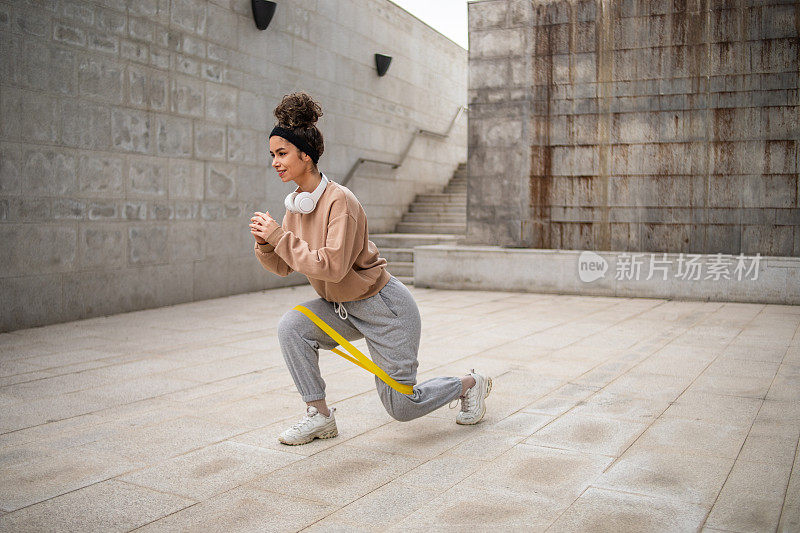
[[296, 140]]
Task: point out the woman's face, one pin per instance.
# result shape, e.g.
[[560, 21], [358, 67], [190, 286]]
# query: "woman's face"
[[286, 159]]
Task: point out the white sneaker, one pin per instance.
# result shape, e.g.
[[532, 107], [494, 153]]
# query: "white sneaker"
[[473, 404], [314, 425]]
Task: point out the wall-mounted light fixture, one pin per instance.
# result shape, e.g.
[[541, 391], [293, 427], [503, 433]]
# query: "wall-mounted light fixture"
[[262, 13], [382, 63]]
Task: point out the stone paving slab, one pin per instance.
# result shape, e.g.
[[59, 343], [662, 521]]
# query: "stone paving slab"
[[609, 414]]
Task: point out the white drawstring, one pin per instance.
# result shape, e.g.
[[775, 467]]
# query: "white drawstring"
[[340, 310]]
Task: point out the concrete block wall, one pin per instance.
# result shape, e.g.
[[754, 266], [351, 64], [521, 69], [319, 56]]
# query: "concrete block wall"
[[635, 125], [133, 139], [711, 277]]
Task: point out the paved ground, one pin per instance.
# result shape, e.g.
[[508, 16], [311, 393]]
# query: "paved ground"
[[607, 414]]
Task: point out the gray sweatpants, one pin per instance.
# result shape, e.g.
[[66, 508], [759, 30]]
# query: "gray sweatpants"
[[390, 323]]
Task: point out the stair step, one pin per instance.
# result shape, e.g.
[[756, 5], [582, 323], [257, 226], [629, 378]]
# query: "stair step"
[[397, 254], [410, 240], [401, 268], [427, 227], [433, 216], [407, 280], [442, 198], [438, 208]]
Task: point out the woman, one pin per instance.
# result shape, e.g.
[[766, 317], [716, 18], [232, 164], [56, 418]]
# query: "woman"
[[324, 236]]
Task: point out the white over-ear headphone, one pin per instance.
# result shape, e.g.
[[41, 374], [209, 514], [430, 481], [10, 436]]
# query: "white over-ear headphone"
[[305, 202]]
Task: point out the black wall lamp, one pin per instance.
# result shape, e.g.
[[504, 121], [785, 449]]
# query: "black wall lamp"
[[262, 13], [382, 63]]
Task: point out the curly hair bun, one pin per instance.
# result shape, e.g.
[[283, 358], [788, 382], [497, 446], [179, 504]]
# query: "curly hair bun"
[[298, 110]]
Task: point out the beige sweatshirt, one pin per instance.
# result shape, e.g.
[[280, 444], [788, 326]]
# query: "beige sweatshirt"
[[330, 246]]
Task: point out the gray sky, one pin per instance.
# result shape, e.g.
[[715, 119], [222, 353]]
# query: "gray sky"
[[448, 17]]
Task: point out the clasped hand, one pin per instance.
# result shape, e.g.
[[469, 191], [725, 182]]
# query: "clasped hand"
[[261, 225]]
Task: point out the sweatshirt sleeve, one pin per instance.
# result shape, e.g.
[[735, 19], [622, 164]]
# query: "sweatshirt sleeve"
[[330, 263], [271, 261]]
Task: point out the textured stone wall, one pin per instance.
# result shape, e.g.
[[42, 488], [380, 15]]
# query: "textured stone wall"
[[133, 139], [639, 125]]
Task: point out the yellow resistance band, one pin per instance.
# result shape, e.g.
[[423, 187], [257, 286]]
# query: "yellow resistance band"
[[357, 357]]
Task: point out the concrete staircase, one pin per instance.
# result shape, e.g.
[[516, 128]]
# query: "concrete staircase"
[[434, 218]]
